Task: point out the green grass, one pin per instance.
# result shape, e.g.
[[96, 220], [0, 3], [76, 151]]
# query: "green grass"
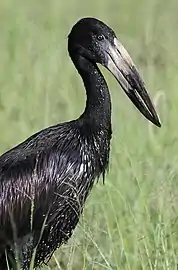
[[130, 223]]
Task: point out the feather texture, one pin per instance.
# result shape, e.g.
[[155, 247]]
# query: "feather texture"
[[44, 183]]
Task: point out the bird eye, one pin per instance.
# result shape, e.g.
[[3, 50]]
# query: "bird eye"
[[100, 37]]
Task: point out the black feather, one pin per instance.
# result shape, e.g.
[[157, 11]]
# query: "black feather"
[[44, 181]]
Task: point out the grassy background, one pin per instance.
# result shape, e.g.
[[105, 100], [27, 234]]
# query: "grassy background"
[[130, 223]]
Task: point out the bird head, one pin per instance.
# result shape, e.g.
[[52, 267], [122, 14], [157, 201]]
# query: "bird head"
[[98, 43]]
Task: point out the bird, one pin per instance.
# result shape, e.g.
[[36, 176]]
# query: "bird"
[[46, 179]]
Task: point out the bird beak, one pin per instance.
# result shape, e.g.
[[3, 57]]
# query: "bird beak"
[[122, 67]]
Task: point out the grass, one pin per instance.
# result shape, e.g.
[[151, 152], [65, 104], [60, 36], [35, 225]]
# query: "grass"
[[130, 223]]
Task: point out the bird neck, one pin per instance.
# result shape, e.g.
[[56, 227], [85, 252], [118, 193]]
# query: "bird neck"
[[98, 102]]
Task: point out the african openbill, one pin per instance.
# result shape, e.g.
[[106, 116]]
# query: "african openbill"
[[45, 180]]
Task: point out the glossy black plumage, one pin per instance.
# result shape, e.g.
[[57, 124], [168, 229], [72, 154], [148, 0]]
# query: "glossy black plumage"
[[44, 181], [53, 180]]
